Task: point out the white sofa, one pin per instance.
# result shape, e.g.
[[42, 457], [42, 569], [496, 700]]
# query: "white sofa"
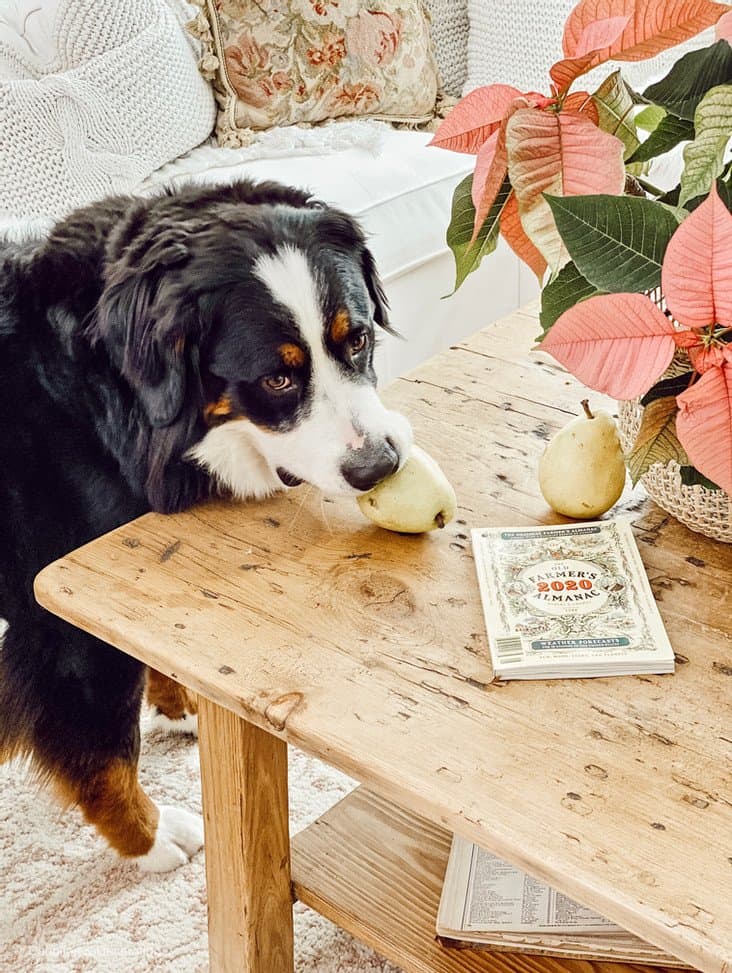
[[399, 189], [95, 97]]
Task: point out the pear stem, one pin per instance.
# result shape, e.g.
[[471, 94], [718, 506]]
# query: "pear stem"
[[586, 406]]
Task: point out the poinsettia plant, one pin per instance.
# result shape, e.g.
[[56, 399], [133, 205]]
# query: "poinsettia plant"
[[636, 276], [622, 344]]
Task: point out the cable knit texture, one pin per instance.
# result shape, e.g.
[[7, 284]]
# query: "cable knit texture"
[[450, 39], [516, 43], [93, 98]]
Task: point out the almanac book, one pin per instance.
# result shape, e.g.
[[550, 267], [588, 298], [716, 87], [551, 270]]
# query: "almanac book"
[[568, 601]]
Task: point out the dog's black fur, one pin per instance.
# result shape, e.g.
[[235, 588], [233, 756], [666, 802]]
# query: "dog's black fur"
[[104, 328]]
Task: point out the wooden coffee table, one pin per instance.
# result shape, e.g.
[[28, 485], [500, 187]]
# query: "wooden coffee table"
[[297, 621]]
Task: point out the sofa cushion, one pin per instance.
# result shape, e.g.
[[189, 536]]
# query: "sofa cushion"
[[389, 179], [93, 97], [306, 61]]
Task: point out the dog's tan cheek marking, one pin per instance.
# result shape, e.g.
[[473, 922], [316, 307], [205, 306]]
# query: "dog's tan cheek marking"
[[340, 326], [292, 355], [220, 411], [116, 805]]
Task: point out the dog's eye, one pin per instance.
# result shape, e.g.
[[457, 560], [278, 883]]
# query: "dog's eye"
[[277, 383], [358, 343]]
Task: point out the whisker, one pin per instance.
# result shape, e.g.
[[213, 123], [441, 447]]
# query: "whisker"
[[323, 514], [305, 495]]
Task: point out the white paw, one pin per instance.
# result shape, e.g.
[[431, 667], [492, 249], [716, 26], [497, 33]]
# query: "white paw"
[[187, 724], [179, 835]]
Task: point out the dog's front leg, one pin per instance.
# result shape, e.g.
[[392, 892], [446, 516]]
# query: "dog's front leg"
[[175, 707]]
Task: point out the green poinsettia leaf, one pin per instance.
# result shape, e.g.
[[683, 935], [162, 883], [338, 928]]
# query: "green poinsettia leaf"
[[656, 441], [615, 110], [690, 78], [668, 386], [650, 117], [669, 132], [460, 230], [690, 476], [704, 157], [616, 242], [671, 196], [568, 288], [724, 188], [637, 169], [671, 199]]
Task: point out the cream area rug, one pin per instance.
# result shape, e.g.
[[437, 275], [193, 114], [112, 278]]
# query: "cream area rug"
[[69, 905]]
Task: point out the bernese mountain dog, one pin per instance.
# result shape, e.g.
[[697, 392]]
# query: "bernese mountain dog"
[[154, 352]]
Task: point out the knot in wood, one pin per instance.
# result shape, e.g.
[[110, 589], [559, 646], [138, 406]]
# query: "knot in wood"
[[386, 596], [280, 709]]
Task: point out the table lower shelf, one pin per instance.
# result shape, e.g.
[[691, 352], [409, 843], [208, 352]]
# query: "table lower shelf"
[[377, 871]]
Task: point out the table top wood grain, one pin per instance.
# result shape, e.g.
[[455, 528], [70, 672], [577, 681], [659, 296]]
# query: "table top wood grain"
[[368, 649]]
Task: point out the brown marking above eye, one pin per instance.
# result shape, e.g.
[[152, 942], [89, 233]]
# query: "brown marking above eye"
[[340, 326], [292, 355], [217, 412]]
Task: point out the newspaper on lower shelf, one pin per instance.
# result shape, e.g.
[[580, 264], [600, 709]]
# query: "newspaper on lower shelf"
[[490, 904], [571, 600]]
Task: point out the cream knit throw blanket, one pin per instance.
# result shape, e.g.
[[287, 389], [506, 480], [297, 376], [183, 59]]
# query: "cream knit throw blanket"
[[94, 96]]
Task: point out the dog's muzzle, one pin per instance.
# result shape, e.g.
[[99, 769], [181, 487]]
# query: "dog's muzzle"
[[369, 465]]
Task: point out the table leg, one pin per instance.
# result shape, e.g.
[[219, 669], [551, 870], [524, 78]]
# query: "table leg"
[[245, 811]]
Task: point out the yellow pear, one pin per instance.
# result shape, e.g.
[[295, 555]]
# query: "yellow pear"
[[417, 498], [582, 471]]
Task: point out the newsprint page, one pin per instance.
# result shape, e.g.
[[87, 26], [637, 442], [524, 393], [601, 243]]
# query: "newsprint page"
[[487, 902]]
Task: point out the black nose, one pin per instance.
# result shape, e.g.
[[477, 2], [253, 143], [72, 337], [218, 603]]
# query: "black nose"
[[365, 467]]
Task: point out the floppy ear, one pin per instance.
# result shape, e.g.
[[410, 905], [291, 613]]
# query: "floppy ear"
[[345, 233], [147, 328], [376, 290]]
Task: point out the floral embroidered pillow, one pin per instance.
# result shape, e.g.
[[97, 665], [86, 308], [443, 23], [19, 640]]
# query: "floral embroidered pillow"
[[284, 62]]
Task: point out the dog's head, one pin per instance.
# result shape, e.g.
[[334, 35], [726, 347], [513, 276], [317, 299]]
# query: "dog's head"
[[247, 330]]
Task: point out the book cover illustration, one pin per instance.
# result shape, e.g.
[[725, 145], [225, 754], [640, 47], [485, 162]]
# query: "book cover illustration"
[[567, 591]]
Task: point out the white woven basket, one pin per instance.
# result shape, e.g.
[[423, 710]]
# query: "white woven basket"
[[708, 512]]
